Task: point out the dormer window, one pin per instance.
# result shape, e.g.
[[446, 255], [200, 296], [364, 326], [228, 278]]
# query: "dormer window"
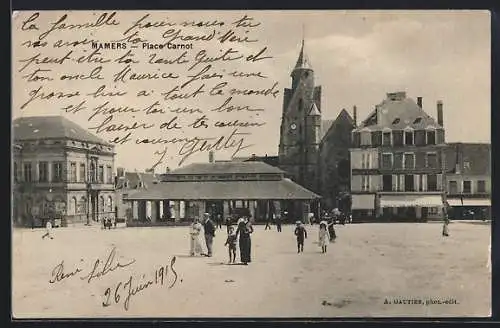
[[396, 120], [417, 120]]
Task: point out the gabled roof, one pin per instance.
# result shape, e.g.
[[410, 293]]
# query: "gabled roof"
[[331, 124], [250, 167], [52, 127], [314, 111], [398, 113], [133, 179]]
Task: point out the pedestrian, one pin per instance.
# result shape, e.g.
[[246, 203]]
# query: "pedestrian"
[[48, 230], [310, 218], [209, 229], [194, 234], [278, 222], [114, 222], [231, 244], [301, 233], [244, 231], [32, 222], [228, 224], [446, 221], [219, 221], [268, 223], [324, 236], [331, 230]]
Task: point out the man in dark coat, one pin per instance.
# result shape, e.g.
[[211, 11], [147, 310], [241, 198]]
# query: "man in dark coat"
[[301, 233], [209, 228]]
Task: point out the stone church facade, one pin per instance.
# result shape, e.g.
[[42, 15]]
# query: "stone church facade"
[[314, 152]]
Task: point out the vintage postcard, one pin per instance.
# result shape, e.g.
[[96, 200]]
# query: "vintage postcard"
[[251, 164]]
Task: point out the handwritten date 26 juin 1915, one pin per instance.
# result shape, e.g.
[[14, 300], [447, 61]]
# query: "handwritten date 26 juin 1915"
[[130, 287]]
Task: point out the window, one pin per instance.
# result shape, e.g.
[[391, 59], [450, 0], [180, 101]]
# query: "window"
[[101, 205], [409, 182], [432, 160], [387, 182], [43, 175], [124, 198], [397, 138], [101, 173], [453, 188], [27, 172], [365, 183], [467, 187], [396, 120], [409, 138], [409, 161], [481, 186], [386, 138], [366, 138], [431, 137], [387, 161], [110, 204], [365, 160], [72, 174], [82, 205], [57, 172], [15, 172], [109, 174], [417, 120], [82, 172], [432, 182]]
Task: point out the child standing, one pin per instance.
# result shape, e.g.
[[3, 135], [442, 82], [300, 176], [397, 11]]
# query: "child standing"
[[48, 230], [301, 233], [324, 236], [231, 244]]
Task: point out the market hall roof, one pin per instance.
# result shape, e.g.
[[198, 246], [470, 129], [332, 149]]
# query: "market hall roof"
[[250, 167], [224, 190], [52, 127]]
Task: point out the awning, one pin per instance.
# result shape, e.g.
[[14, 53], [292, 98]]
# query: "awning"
[[224, 190], [411, 200], [469, 202], [363, 202]]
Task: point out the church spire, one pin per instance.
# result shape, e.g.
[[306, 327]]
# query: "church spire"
[[303, 61]]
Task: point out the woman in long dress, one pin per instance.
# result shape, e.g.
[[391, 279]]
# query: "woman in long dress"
[[243, 232], [195, 244]]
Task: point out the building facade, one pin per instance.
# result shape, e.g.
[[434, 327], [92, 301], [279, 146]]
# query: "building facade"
[[397, 162], [468, 178], [60, 171]]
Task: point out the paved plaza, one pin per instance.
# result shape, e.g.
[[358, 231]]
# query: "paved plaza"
[[365, 272]]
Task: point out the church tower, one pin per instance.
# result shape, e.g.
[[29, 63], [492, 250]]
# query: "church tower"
[[301, 124]]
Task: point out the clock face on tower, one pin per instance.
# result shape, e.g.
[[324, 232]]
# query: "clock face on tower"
[[293, 126]]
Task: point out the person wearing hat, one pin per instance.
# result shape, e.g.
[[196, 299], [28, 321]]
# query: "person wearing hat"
[[243, 232], [324, 236], [209, 228], [301, 233], [195, 245]]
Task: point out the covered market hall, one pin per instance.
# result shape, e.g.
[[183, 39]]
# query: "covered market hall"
[[222, 189]]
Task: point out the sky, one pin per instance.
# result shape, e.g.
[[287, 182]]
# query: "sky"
[[357, 56]]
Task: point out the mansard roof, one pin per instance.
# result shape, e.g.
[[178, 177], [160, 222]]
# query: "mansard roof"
[[398, 112], [52, 127]]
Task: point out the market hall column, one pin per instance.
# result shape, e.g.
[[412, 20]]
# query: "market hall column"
[[177, 214], [225, 209], [153, 209], [135, 210]]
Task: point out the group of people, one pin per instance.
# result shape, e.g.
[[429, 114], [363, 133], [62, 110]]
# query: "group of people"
[[326, 235], [107, 223], [240, 235]]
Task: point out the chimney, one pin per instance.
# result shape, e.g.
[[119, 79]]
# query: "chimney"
[[439, 106], [419, 102], [120, 171], [167, 170], [355, 115], [211, 157]]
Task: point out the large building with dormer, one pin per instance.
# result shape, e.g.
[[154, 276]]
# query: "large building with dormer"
[[313, 150], [61, 171], [397, 161]]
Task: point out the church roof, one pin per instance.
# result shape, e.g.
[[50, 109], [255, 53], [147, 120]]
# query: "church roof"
[[51, 127], [398, 112], [325, 126], [303, 60], [314, 111], [331, 124]]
